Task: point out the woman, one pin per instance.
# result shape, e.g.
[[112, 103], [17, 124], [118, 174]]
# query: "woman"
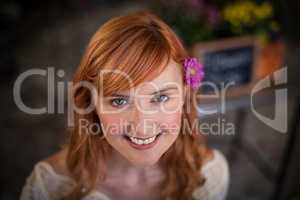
[[135, 134]]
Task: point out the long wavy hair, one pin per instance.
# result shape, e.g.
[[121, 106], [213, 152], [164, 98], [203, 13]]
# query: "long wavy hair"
[[140, 45]]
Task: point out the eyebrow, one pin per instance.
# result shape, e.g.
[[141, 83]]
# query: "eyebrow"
[[153, 93]]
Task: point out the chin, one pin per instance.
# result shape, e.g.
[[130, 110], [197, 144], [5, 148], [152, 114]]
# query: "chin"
[[145, 161]]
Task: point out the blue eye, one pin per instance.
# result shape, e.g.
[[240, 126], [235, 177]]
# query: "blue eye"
[[161, 98], [118, 102]]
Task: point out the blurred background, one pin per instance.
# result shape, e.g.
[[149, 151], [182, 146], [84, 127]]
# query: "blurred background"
[[241, 41]]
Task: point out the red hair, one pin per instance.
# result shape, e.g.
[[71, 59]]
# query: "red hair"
[[141, 45]]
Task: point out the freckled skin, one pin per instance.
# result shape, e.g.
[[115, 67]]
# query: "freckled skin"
[[135, 174]]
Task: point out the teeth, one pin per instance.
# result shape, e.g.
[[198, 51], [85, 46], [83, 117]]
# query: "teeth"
[[141, 141]]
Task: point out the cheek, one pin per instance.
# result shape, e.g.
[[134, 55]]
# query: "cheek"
[[113, 128], [171, 122], [111, 124]]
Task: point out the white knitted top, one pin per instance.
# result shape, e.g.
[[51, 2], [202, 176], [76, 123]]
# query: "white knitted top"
[[45, 184]]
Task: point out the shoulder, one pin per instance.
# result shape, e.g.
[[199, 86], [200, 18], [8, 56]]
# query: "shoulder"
[[216, 159], [44, 181], [215, 169], [58, 162]]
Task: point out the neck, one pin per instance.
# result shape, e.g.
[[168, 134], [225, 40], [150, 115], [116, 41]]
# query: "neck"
[[120, 168]]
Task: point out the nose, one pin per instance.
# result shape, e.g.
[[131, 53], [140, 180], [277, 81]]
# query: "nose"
[[141, 124]]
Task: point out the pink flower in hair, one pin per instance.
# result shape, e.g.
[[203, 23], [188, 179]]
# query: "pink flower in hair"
[[193, 72]]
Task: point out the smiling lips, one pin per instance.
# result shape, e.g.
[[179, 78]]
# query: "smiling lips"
[[139, 143]]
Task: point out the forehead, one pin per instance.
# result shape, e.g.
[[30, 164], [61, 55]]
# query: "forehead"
[[171, 76]]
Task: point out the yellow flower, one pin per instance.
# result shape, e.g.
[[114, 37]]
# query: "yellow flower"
[[264, 11], [246, 12]]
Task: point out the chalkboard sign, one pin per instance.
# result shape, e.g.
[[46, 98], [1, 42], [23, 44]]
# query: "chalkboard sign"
[[230, 61]]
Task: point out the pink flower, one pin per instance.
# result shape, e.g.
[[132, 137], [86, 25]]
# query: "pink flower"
[[193, 72]]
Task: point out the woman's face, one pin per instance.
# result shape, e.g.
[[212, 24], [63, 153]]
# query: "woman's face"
[[142, 123]]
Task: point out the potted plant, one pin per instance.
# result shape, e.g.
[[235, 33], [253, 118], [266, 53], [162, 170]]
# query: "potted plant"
[[200, 21]]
